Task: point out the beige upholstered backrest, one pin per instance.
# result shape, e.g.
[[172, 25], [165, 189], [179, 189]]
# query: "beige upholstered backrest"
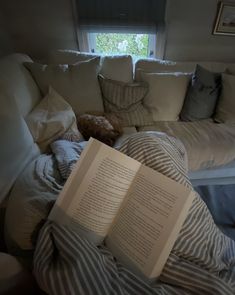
[[19, 82], [17, 146], [18, 95], [159, 66], [116, 67]]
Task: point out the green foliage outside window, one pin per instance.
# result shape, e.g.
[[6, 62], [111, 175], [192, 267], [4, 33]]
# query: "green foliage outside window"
[[134, 44]]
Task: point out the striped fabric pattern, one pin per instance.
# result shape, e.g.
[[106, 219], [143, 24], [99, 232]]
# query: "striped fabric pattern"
[[66, 153], [202, 260], [126, 101]]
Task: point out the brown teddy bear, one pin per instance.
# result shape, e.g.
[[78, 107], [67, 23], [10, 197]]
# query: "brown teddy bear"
[[106, 127]]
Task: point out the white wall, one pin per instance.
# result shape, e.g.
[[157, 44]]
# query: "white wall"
[[37, 26], [5, 40], [189, 25]]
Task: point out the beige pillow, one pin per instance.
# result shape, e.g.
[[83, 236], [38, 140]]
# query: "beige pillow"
[[225, 111], [117, 67], [78, 83], [126, 101], [162, 66], [166, 94], [17, 145], [50, 119], [67, 56]]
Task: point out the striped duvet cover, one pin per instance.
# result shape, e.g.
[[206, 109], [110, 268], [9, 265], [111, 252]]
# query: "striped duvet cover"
[[202, 260]]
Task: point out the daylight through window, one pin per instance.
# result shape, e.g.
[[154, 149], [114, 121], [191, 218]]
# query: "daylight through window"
[[138, 45]]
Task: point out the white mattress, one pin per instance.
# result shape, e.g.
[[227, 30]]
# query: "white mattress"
[[208, 145]]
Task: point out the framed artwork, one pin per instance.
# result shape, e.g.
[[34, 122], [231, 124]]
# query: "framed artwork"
[[225, 19]]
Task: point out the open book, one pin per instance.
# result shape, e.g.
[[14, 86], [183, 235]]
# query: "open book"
[[136, 210]]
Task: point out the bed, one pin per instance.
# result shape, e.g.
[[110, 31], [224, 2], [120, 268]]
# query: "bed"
[[201, 262]]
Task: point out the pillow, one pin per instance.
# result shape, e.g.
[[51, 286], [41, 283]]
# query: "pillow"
[[78, 83], [104, 128], [201, 96], [162, 66], [225, 110], [166, 94], [126, 101], [50, 119], [66, 56], [117, 67]]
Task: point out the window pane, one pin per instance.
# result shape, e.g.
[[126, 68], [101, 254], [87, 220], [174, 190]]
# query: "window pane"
[[113, 43]]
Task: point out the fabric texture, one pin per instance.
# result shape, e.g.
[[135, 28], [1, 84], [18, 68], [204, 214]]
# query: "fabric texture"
[[225, 111], [17, 145], [66, 154], [19, 82], [78, 83], [30, 201], [202, 140], [161, 66], [201, 261], [117, 67], [126, 101], [72, 134], [69, 57], [106, 130], [50, 119], [202, 95], [166, 94]]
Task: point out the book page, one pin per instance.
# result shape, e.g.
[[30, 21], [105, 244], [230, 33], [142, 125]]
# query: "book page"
[[149, 221], [95, 190]]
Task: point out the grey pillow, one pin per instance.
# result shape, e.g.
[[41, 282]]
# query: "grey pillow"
[[202, 95]]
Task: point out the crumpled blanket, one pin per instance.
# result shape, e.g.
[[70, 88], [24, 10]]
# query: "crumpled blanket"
[[67, 153], [202, 260]]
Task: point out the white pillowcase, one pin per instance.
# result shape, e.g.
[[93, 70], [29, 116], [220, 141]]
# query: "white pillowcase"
[[50, 119], [225, 111], [117, 67], [78, 83], [166, 94], [67, 56]]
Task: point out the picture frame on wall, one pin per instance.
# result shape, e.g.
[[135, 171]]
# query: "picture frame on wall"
[[225, 19]]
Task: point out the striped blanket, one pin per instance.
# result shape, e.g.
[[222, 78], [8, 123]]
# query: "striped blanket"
[[202, 260]]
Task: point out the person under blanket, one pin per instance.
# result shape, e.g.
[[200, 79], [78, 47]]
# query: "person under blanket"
[[202, 260]]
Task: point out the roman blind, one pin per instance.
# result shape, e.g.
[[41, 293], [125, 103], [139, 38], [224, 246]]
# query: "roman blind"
[[142, 16]]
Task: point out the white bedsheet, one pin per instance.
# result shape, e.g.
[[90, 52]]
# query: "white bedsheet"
[[208, 144]]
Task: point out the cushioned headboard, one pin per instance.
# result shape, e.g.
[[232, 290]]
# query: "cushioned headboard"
[[19, 82], [66, 56], [17, 146], [116, 67], [155, 65]]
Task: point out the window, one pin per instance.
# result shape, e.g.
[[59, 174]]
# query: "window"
[[138, 45], [121, 26]]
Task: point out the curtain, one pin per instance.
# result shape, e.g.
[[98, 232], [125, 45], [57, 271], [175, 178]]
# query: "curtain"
[[134, 16]]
